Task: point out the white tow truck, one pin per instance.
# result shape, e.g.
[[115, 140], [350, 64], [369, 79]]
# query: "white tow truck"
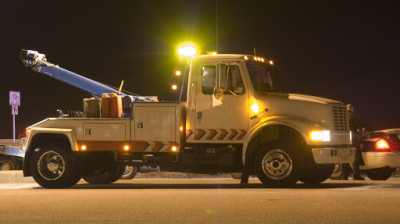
[[223, 113]]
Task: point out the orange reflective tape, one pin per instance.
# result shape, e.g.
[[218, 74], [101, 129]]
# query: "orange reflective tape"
[[212, 134], [103, 145], [241, 135], [189, 133], [222, 135], [157, 146], [140, 145], [200, 134], [233, 134]]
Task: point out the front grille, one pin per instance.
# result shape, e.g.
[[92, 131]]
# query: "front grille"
[[340, 122]]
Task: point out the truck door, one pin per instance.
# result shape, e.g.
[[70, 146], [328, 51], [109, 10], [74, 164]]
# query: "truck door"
[[221, 101]]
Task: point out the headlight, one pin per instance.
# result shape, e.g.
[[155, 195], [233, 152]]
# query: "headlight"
[[324, 136]]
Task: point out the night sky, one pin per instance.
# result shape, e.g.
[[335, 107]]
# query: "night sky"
[[343, 50]]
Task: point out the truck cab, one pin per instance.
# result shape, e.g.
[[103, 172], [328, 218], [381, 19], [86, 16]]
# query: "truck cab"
[[230, 115]]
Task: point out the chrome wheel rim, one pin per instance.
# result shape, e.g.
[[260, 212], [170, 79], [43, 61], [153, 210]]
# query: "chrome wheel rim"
[[51, 165], [277, 164], [128, 170]]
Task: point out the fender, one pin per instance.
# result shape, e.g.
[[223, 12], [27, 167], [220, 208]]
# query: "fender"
[[47, 133], [69, 133], [300, 125], [272, 122]]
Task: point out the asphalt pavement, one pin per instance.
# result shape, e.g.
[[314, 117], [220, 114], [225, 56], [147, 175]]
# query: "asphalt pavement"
[[202, 200]]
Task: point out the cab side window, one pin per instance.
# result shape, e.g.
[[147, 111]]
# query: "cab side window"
[[208, 79], [231, 79], [228, 78]]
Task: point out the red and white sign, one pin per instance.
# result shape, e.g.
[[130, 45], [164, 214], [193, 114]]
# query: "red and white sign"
[[14, 110]]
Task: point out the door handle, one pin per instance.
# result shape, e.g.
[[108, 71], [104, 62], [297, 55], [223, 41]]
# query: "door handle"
[[192, 93]]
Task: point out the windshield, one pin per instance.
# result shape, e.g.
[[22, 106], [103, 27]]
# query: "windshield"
[[262, 77]]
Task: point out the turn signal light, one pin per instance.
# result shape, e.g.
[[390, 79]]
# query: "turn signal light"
[[381, 144], [126, 147]]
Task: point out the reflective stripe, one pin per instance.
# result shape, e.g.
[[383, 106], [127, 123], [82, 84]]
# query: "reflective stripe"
[[216, 134], [233, 134], [212, 134], [137, 146]]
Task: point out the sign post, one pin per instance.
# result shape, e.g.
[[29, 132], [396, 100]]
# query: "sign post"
[[15, 101]]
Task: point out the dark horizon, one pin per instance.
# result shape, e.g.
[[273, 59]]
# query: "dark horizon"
[[340, 50]]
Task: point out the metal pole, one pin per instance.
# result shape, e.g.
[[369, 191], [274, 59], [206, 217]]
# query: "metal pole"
[[216, 26], [14, 127]]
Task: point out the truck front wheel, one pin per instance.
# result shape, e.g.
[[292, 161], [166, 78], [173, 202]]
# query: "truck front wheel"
[[317, 173], [278, 165], [54, 167]]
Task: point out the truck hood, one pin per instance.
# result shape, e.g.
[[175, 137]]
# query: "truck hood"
[[311, 109], [308, 98]]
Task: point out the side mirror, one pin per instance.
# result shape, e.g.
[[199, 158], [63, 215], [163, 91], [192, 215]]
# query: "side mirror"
[[218, 93]]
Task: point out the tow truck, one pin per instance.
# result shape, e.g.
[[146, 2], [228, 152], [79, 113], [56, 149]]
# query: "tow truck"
[[223, 113]]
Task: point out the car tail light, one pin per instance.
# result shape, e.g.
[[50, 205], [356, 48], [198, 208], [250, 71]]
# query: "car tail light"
[[27, 132], [382, 144]]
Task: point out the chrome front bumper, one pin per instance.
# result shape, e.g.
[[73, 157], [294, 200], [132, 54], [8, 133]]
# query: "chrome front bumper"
[[333, 155]]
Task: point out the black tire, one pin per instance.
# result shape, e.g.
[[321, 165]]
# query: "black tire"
[[380, 174], [10, 163], [317, 173], [106, 175], [54, 167], [279, 165], [129, 172]]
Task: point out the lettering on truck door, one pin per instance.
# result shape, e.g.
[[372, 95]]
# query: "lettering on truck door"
[[221, 102]]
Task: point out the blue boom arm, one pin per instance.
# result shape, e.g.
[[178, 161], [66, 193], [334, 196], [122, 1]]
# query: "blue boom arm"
[[38, 63]]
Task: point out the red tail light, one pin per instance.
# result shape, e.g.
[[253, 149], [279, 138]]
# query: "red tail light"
[[381, 144]]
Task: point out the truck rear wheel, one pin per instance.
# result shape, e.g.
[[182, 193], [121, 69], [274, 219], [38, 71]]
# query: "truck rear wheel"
[[105, 175], [129, 172], [278, 165], [54, 167], [380, 174]]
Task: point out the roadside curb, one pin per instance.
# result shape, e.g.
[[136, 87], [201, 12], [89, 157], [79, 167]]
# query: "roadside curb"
[[15, 176]]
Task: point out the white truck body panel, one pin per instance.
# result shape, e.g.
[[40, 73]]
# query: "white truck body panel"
[[156, 126]]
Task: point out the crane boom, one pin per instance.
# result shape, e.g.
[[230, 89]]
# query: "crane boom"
[[38, 62]]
